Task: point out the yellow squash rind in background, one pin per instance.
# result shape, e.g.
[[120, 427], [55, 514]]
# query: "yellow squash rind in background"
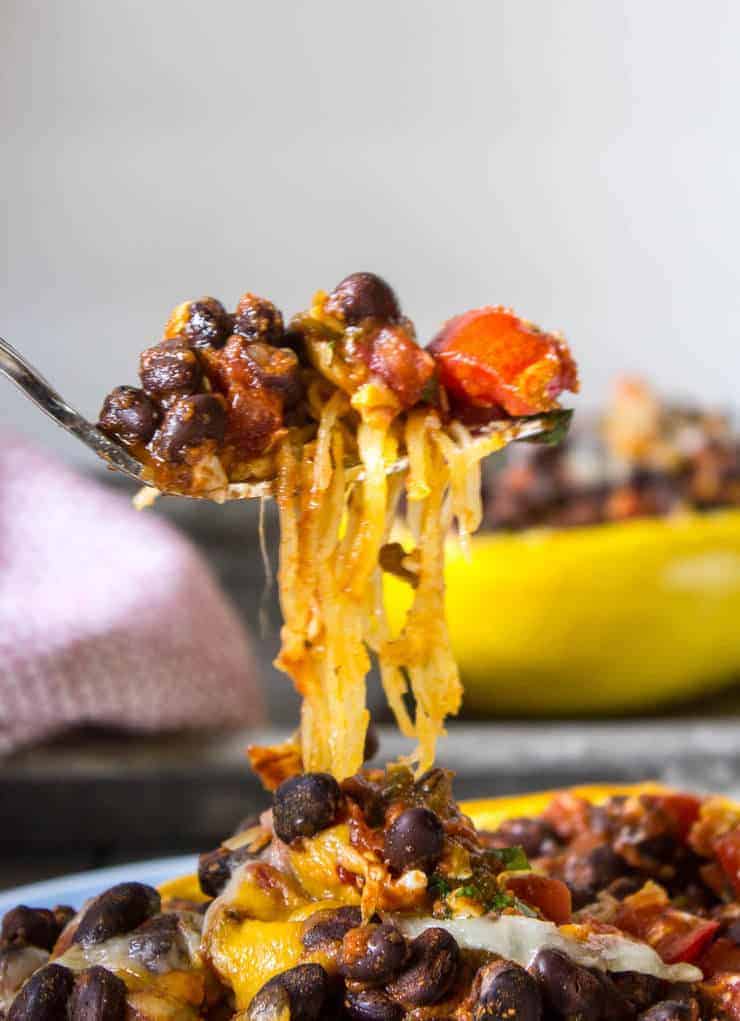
[[612, 617], [489, 813]]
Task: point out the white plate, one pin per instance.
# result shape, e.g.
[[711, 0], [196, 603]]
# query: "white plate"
[[76, 889]]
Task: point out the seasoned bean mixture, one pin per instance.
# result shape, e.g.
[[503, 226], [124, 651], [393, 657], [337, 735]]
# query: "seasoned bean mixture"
[[644, 458], [377, 899], [222, 390]]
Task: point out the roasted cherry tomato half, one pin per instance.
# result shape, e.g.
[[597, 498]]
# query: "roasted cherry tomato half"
[[550, 896], [489, 357]]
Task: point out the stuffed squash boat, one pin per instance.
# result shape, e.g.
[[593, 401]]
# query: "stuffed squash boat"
[[380, 898]]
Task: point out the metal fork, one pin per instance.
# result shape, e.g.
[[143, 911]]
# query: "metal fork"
[[548, 427], [35, 387]]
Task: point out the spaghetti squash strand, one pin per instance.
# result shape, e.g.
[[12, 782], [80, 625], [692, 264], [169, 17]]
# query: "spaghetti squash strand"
[[334, 523]]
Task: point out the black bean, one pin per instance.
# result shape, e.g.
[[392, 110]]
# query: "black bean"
[[414, 840], [305, 805], [535, 836], [733, 932], [45, 995], [660, 848], [373, 954], [503, 990], [368, 795], [271, 1003], [63, 914], [188, 423], [159, 944], [307, 989], [170, 370], [258, 319], [624, 886], [363, 296], [372, 1005], [36, 927], [117, 911], [99, 995], [130, 414], [329, 926], [216, 867], [434, 961], [568, 989], [208, 323], [683, 992], [592, 871], [671, 1010], [638, 989], [615, 1006]]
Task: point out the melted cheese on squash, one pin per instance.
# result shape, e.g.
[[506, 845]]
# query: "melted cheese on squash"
[[519, 938]]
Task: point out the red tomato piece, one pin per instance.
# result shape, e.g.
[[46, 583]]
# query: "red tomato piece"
[[550, 896], [682, 808], [686, 938], [675, 935], [727, 852], [402, 365], [490, 356]]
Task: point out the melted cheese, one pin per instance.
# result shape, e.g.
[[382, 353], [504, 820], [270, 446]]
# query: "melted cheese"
[[518, 939]]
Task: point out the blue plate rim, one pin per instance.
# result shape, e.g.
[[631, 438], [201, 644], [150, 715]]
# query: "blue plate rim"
[[68, 888]]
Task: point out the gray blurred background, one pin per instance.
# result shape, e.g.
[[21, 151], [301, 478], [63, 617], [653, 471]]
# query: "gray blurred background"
[[576, 159]]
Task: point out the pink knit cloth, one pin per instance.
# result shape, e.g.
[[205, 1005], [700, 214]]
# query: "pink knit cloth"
[[107, 615]]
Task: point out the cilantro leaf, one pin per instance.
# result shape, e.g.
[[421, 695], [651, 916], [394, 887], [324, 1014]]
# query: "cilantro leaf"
[[512, 859], [559, 424], [500, 901], [469, 890], [439, 886]]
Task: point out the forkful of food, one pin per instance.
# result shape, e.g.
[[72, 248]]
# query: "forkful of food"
[[221, 394]]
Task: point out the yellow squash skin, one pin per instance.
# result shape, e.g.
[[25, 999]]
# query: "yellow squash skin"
[[613, 617], [489, 813], [246, 952]]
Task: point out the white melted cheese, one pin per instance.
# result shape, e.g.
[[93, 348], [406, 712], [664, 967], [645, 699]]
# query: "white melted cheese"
[[115, 953], [519, 938]]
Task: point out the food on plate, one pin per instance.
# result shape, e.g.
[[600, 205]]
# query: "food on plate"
[[381, 897], [323, 410]]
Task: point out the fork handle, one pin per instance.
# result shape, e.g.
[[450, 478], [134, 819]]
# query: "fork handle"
[[44, 396]]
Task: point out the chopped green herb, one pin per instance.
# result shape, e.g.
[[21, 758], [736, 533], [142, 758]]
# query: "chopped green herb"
[[525, 909], [511, 858], [501, 901], [469, 890], [558, 423], [439, 887]]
